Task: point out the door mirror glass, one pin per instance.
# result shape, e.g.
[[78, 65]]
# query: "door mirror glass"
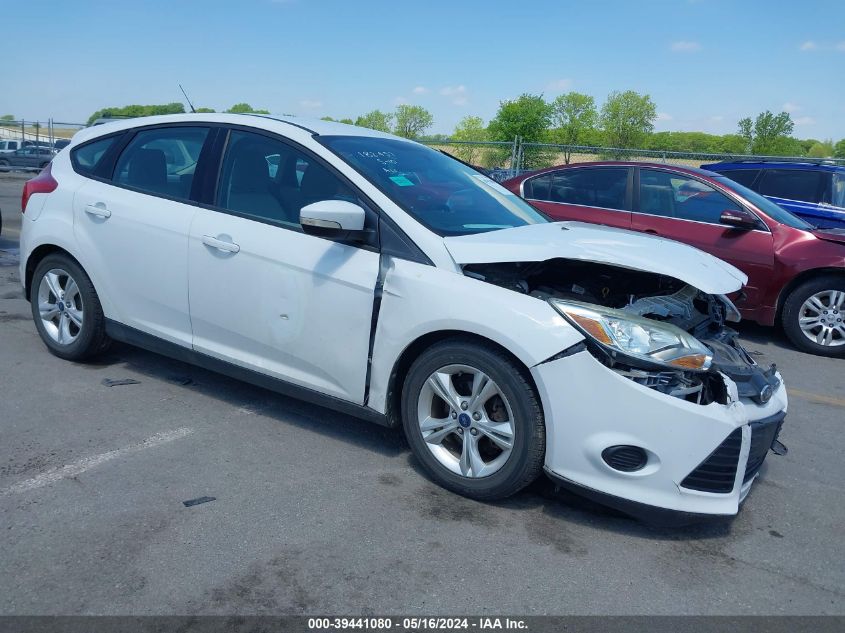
[[334, 219], [739, 219]]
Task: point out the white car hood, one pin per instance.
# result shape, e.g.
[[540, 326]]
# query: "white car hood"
[[599, 244]]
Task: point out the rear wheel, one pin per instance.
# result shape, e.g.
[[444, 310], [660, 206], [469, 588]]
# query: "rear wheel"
[[473, 419], [66, 309], [814, 316]]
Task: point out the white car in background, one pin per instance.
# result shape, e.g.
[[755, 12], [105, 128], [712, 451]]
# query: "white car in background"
[[379, 277]]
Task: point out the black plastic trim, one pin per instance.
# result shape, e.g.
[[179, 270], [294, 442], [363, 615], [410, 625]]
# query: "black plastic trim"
[[653, 515], [126, 334]]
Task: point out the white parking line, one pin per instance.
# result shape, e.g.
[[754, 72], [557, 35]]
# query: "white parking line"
[[87, 463]]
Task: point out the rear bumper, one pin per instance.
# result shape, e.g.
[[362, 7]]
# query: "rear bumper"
[[589, 408]]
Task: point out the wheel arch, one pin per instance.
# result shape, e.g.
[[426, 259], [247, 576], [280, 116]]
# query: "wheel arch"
[[801, 278], [36, 257], [403, 364]]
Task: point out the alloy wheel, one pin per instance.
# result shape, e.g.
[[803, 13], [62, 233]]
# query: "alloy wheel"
[[822, 318], [60, 306], [466, 421]]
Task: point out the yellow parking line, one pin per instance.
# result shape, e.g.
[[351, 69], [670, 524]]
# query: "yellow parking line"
[[815, 397]]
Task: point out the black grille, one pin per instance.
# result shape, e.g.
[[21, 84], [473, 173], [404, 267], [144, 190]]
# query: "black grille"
[[718, 472], [628, 459], [763, 433]]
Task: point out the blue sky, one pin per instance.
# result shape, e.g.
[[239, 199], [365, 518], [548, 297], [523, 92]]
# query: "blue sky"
[[706, 63]]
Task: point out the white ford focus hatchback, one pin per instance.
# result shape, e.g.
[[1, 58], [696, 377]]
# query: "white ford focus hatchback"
[[379, 277]]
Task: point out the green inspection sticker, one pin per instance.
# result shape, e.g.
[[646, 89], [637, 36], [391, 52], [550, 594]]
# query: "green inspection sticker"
[[402, 181]]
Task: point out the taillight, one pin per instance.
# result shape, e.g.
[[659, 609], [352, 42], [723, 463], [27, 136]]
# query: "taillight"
[[42, 183]]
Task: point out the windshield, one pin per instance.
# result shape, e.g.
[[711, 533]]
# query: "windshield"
[[448, 197], [777, 213]]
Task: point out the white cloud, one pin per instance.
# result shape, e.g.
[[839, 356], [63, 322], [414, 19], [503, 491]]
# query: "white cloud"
[[717, 118], [809, 45], [804, 120], [559, 85], [420, 90], [685, 46], [458, 94], [840, 46], [664, 116], [791, 107], [311, 104], [400, 101]]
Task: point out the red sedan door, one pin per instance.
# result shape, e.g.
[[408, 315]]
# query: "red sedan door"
[[683, 208], [596, 194]]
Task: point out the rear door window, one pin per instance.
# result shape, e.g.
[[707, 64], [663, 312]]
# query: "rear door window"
[[603, 187], [792, 184], [161, 161]]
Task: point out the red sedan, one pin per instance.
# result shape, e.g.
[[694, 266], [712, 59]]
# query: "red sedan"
[[796, 273]]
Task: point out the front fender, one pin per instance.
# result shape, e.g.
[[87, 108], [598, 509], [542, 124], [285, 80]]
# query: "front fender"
[[419, 299]]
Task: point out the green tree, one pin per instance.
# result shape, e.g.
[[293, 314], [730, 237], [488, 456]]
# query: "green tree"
[[205, 110], [572, 115], [137, 110], [245, 108], [839, 149], [347, 120], [821, 149], [529, 117], [769, 134], [627, 118], [7, 117], [411, 121], [470, 129], [375, 120], [326, 118]]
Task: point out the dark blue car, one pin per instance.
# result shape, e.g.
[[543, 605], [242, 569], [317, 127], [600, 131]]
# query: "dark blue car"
[[815, 191]]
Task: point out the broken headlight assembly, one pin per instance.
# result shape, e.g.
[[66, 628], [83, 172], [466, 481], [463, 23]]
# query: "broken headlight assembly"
[[640, 342]]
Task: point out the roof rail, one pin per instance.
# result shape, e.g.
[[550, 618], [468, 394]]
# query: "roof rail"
[[785, 159]]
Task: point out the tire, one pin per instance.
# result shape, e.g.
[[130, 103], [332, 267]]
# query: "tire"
[[488, 471], [61, 332], [822, 299]]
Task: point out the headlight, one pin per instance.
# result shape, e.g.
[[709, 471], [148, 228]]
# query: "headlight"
[[636, 337]]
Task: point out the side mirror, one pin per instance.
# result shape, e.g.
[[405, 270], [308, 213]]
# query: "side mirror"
[[739, 219], [334, 219]]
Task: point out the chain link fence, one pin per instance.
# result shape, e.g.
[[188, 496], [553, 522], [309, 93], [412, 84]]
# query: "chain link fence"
[[503, 160], [19, 138]]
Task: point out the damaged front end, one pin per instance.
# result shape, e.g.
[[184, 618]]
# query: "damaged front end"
[[653, 329]]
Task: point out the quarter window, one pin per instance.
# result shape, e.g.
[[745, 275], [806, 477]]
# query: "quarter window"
[[675, 196], [595, 187], [266, 179], [792, 184], [161, 161]]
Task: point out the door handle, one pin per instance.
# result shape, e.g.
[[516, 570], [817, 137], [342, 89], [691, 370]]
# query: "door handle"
[[222, 245], [98, 209]]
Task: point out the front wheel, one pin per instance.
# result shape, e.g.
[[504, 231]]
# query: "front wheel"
[[66, 309], [473, 419], [814, 316]]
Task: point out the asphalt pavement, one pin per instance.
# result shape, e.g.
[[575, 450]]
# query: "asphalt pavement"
[[315, 512]]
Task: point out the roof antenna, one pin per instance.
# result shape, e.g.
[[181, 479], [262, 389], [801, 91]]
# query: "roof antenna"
[[186, 99]]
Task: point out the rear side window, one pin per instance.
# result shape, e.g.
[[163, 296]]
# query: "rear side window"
[[86, 158], [595, 187], [161, 161], [742, 176], [792, 184]]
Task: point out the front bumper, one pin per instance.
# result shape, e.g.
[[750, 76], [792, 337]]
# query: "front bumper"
[[589, 408]]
